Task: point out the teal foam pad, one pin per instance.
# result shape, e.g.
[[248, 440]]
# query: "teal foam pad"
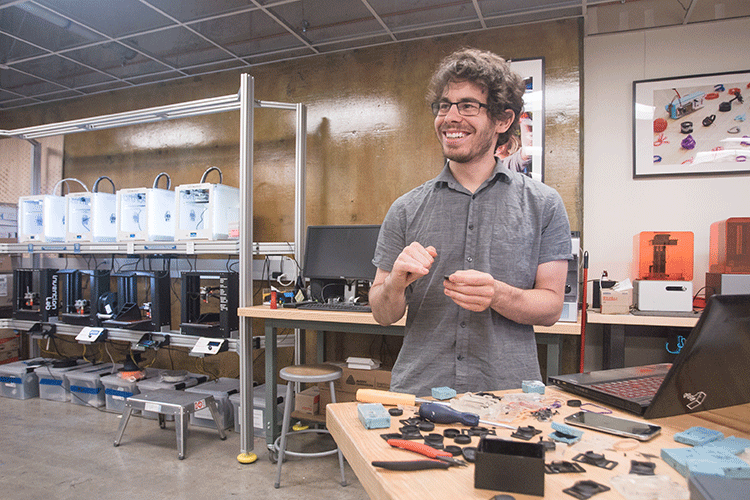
[[565, 433], [732, 444], [698, 436], [532, 386], [373, 416], [443, 393], [706, 460]]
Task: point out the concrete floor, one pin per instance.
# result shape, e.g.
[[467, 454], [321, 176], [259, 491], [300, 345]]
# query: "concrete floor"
[[50, 449]]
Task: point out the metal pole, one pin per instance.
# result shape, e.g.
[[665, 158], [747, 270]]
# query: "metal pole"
[[300, 157], [247, 103]]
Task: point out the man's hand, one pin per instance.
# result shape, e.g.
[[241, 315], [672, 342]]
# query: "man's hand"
[[412, 263], [387, 297], [470, 289]]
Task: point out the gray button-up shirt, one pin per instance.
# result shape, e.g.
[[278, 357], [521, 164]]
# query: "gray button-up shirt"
[[510, 226]]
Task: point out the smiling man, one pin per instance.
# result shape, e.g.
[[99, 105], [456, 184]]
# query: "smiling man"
[[478, 254]]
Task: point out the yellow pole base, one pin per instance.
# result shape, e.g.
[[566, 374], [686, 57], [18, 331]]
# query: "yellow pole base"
[[247, 458]]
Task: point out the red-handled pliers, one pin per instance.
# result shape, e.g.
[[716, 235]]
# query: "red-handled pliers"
[[426, 450]]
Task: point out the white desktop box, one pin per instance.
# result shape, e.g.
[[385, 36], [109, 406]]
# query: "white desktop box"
[[41, 218], [205, 211], [664, 296], [145, 214]]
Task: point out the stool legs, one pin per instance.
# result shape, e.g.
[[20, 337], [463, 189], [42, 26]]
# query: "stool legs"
[[284, 430], [341, 456], [181, 429]]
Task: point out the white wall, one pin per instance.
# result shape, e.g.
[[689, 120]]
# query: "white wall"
[[617, 207]]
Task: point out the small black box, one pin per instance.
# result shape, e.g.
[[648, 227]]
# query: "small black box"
[[511, 466]]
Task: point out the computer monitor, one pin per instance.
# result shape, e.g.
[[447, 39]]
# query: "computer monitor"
[[335, 255]]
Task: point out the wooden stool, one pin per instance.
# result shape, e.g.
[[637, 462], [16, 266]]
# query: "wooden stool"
[[307, 374], [170, 402]]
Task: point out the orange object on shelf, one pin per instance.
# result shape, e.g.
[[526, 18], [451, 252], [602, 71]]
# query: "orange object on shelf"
[[665, 255], [729, 246]]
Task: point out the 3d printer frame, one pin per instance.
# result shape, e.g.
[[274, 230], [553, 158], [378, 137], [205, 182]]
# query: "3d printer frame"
[[128, 311], [35, 293], [75, 309], [212, 324]]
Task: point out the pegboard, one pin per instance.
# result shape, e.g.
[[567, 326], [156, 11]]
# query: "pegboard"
[[16, 165]]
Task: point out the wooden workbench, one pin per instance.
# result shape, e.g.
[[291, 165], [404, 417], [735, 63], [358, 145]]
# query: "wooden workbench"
[[361, 446]]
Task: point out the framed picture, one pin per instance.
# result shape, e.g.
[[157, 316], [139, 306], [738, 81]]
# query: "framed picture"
[[697, 125], [530, 143]]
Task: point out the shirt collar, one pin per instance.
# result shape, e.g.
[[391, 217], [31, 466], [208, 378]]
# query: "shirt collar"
[[500, 172]]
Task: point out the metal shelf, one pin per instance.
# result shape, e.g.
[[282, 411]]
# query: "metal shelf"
[[192, 247], [245, 248], [176, 338]]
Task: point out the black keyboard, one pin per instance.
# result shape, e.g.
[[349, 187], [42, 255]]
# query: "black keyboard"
[[335, 306]]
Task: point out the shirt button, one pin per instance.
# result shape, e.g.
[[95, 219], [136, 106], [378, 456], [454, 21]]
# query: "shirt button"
[[463, 324], [471, 226], [469, 259], [460, 357]]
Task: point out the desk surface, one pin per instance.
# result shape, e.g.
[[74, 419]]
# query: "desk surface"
[[361, 446], [311, 315], [641, 320]]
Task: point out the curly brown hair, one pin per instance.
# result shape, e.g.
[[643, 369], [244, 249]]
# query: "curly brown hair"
[[505, 88]]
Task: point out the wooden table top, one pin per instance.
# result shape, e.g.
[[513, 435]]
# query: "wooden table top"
[[361, 318], [362, 446]]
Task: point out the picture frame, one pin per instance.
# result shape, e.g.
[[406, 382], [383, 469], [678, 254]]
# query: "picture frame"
[[693, 125], [532, 119]]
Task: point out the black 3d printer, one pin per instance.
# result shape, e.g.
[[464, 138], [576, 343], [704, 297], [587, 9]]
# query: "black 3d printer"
[[128, 313], [204, 288]]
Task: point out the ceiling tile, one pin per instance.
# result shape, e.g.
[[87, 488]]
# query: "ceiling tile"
[[43, 28], [177, 47], [12, 49], [112, 18], [62, 71]]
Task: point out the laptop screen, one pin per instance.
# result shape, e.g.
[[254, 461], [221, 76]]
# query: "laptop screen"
[[711, 369]]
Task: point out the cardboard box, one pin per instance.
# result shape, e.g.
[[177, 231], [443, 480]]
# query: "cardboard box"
[[341, 397], [352, 379], [308, 401], [6, 264], [614, 302]]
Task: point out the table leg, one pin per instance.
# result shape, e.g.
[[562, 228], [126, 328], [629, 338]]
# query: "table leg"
[[613, 346], [271, 422], [123, 422], [181, 424]]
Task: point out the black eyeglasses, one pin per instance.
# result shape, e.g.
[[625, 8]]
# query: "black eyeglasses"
[[465, 108]]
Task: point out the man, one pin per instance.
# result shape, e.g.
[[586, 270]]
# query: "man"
[[479, 254]]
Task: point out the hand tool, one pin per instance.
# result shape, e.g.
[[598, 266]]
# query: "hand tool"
[[388, 398], [425, 450], [442, 414], [412, 465]]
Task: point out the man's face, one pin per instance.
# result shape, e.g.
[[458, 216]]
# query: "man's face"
[[467, 138]]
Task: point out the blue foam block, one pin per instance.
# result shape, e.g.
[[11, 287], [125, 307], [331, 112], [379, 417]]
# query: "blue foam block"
[[532, 386], [373, 416], [705, 459], [732, 444], [697, 436], [443, 393], [565, 433]]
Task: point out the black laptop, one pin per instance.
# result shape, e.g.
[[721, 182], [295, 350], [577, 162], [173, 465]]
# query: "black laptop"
[[709, 372]]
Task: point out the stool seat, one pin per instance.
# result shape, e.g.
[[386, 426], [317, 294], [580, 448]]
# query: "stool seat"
[[311, 373]]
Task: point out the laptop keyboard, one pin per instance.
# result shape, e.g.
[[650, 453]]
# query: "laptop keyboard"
[[635, 388]]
